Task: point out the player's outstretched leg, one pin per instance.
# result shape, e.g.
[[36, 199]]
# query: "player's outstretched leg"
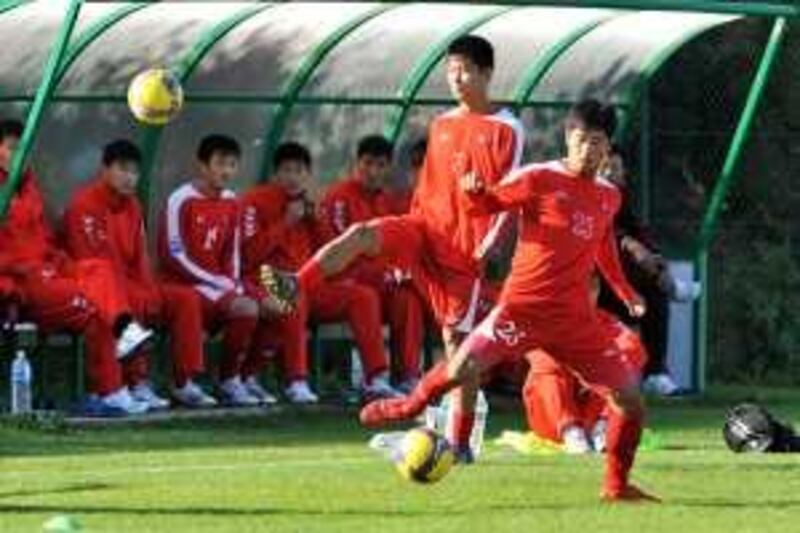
[[626, 415], [332, 259], [433, 384]]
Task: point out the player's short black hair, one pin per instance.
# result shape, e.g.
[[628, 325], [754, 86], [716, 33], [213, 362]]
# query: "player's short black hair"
[[594, 115], [291, 151], [416, 153], [376, 146], [121, 150], [217, 143], [475, 48], [10, 127]]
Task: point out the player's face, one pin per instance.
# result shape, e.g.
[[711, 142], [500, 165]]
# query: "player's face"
[[373, 171], [7, 148], [122, 176], [467, 81], [587, 148], [292, 176], [220, 169]]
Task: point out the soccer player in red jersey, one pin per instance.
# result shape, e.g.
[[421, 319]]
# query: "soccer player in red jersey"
[[559, 407], [104, 220], [56, 292], [442, 246], [360, 197], [281, 229], [199, 244], [566, 231]]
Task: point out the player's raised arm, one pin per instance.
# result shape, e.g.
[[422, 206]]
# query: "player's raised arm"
[[515, 190]]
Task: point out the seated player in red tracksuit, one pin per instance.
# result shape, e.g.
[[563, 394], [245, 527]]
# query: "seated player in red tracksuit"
[[283, 231], [199, 243], [59, 293], [104, 220], [359, 197], [559, 407]]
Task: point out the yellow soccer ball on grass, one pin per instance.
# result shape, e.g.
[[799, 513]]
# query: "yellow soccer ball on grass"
[[425, 456], [155, 96]]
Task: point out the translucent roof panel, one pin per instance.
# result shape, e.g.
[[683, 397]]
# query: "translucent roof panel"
[[608, 60], [160, 34], [176, 153], [22, 65], [377, 57], [520, 37], [261, 54]]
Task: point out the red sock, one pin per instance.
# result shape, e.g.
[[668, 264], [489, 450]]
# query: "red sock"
[[463, 421], [622, 439], [311, 275]]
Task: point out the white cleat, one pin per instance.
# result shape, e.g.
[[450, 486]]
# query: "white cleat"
[[661, 384], [122, 402], [234, 393], [142, 392], [132, 337], [191, 395], [575, 441], [256, 389], [298, 392], [380, 388]]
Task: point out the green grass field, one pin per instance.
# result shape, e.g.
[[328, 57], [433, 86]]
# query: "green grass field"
[[302, 471]]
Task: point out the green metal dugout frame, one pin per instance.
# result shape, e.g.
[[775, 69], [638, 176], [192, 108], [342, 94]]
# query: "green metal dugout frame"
[[423, 68], [151, 135], [634, 101], [305, 70]]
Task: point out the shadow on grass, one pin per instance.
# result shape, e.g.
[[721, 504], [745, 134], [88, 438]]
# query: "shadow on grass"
[[227, 512], [67, 489], [737, 504]]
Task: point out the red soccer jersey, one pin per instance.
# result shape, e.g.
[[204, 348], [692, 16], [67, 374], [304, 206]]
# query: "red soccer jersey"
[[566, 231], [266, 236], [25, 237], [199, 241], [102, 223], [348, 201], [461, 142]]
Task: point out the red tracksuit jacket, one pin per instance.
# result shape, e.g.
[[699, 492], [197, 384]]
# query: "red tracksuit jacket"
[[199, 241], [101, 223]]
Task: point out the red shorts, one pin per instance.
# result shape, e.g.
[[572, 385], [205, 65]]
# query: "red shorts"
[[578, 340], [458, 296]]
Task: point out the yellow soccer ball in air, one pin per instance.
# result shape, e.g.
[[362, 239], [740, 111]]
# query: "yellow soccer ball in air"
[[425, 456], [155, 96]]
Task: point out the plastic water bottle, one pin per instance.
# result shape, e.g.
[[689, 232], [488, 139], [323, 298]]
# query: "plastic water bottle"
[[441, 420], [21, 379], [478, 430], [356, 370]]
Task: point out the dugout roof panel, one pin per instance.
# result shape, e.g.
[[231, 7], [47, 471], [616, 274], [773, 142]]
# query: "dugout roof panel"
[[521, 37], [375, 59], [24, 48], [262, 54], [157, 35], [607, 62]]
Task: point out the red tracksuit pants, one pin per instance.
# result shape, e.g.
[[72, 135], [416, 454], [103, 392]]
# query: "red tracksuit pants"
[[178, 309], [82, 297]]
